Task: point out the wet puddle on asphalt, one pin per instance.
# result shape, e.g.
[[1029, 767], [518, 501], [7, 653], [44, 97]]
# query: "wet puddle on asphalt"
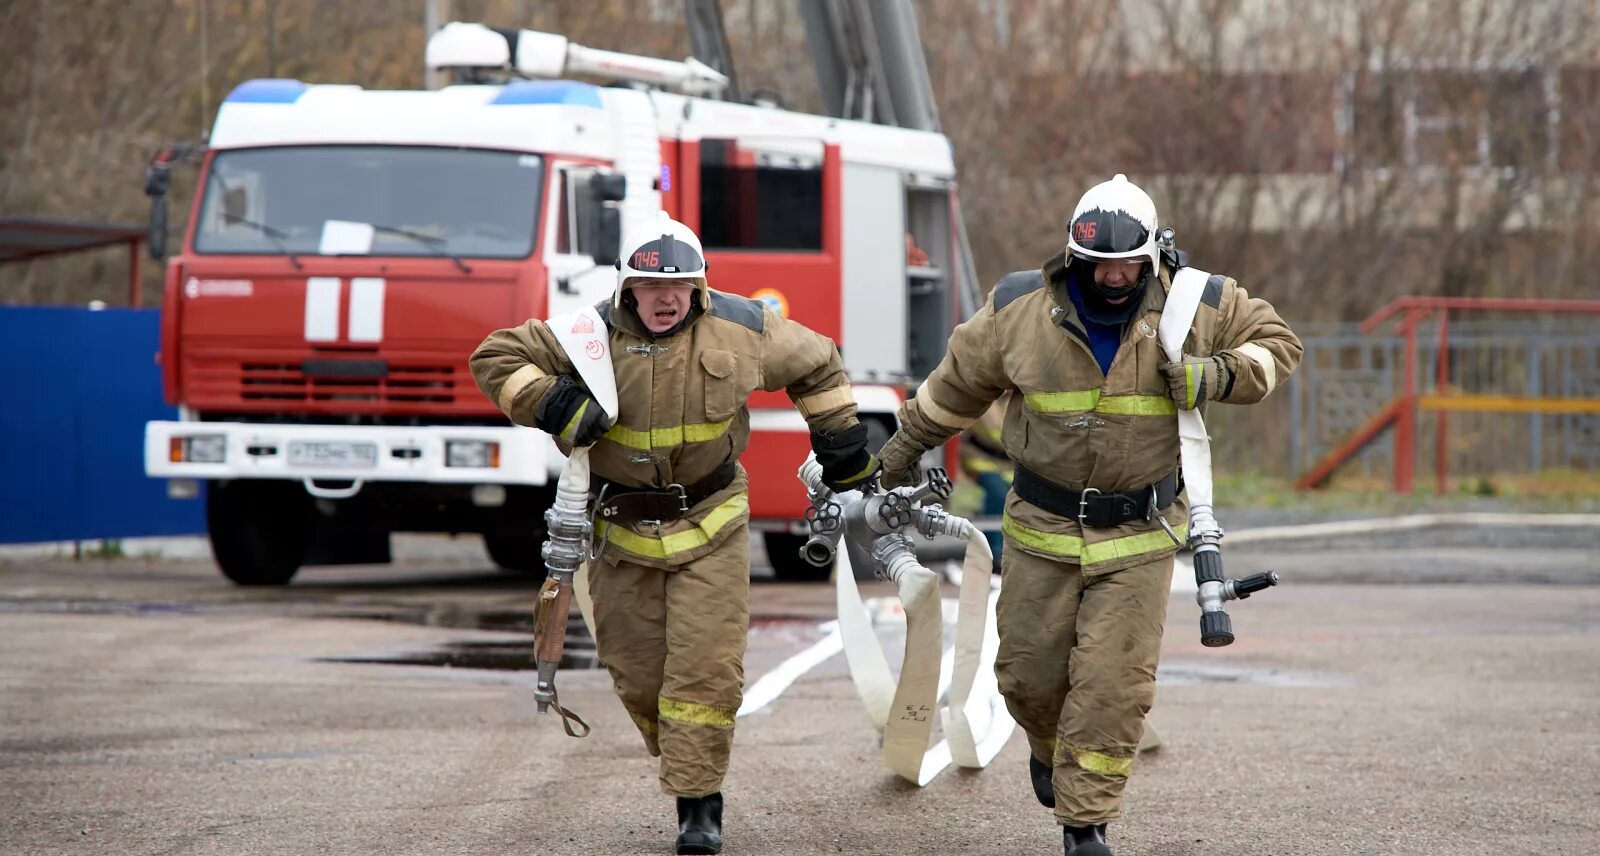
[[517, 654]]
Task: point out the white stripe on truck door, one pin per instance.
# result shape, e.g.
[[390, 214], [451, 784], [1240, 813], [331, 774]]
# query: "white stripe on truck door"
[[322, 309], [366, 309]]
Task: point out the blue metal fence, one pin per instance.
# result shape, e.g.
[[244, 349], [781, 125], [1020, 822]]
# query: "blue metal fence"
[[76, 388]]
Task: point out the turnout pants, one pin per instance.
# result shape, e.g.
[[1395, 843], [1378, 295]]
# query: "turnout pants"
[[673, 641], [1077, 667]]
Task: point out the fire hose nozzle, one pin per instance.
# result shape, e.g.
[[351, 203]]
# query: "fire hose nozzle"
[[1242, 588], [1216, 629]]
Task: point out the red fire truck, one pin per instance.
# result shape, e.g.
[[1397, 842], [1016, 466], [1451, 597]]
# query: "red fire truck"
[[348, 248]]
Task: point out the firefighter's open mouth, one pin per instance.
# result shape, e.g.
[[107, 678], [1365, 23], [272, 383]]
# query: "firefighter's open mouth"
[[666, 316]]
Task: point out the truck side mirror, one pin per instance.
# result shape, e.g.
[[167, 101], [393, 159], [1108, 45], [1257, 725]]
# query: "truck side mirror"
[[608, 186], [606, 220], [607, 235], [157, 177]]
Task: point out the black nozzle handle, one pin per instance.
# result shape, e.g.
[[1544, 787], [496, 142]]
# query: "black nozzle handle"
[[1243, 588], [1216, 629], [1207, 566]]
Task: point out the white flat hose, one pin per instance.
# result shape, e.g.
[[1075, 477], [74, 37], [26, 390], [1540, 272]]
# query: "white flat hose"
[[904, 710], [1183, 301], [575, 475], [584, 337]]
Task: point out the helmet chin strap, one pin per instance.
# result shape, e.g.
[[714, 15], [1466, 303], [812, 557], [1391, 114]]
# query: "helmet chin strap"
[[1097, 305]]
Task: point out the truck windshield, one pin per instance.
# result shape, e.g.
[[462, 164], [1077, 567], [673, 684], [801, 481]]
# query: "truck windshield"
[[478, 204]]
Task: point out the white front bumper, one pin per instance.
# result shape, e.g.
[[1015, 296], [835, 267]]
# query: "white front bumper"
[[261, 451]]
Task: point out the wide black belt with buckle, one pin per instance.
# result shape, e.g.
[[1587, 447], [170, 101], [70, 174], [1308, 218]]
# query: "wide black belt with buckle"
[[1093, 508], [617, 503]]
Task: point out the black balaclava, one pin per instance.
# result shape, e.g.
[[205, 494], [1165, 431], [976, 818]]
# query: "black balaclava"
[[1096, 297], [631, 303]]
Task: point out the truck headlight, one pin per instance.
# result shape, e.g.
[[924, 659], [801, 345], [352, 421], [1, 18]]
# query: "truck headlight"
[[198, 449], [479, 454]]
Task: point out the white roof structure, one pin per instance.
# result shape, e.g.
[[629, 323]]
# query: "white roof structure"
[[547, 117]]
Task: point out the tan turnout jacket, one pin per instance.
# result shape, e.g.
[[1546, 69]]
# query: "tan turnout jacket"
[[1077, 426], [682, 401]]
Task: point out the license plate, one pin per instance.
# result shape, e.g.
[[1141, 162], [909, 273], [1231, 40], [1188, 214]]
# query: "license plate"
[[344, 455]]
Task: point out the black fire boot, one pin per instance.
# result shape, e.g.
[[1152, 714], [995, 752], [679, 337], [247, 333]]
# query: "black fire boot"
[[1043, 788], [700, 824], [1085, 840]]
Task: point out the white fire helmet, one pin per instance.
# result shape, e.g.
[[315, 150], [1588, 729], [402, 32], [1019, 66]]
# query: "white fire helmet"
[[1114, 220], [666, 249]]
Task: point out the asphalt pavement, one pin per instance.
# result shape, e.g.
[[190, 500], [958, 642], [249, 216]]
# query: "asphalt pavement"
[[1425, 694]]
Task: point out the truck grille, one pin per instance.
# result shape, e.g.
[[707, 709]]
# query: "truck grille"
[[363, 385], [411, 384]]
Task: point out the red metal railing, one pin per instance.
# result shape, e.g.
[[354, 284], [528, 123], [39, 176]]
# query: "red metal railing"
[[1401, 413]]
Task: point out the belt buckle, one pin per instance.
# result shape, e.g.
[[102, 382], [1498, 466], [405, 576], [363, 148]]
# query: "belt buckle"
[[1083, 505], [683, 497]]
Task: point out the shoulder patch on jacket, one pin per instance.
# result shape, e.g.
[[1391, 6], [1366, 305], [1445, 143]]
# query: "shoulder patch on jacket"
[[1016, 284], [1212, 296], [740, 310]]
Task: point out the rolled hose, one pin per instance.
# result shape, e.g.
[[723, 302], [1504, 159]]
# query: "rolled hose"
[[975, 720]]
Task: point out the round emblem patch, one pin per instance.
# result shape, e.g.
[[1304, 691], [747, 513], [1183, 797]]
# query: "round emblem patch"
[[774, 299]]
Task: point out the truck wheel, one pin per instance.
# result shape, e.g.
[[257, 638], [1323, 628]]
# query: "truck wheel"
[[517, 552], [259, 530]]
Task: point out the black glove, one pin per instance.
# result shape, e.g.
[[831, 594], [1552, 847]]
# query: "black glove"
[[846, 463], [570, 413]]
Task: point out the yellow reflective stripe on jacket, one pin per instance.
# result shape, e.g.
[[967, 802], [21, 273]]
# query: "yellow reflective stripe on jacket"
[[1080, 401], [677, 542], [1071, 546], [661, 438], [694, 714], [1094, 762], [1085, 400], [1137, 405]]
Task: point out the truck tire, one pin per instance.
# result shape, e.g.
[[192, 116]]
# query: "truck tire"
[[517, 552], [259, 530]]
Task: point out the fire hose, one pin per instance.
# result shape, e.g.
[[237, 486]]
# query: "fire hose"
[[583, 335], [1205, 534], [564, 551], [976, 726]]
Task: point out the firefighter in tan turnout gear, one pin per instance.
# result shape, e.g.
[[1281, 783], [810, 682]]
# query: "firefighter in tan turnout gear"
[[1092, 427], [671, 587]]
